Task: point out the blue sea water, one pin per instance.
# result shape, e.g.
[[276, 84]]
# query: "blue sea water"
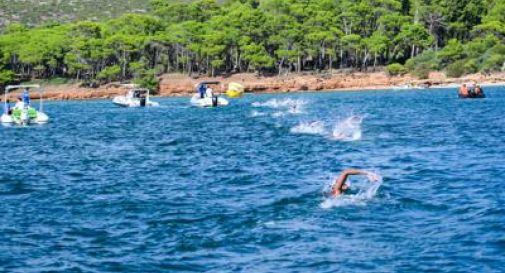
[[239, 189]]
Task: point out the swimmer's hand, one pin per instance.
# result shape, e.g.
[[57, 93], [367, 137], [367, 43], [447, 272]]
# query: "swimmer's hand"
[[373, 176]]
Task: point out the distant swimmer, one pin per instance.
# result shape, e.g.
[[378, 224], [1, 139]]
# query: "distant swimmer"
[[339, 187], [348, 129]]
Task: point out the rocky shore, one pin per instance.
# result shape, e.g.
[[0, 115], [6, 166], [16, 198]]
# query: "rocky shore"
[[182, 85]]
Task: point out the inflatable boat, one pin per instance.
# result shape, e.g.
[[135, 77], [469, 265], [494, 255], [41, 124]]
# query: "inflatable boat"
[[205, 96], [138, 97]]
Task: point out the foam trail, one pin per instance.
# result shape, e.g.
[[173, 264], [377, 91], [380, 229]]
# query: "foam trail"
[[293, 106], [349, 129], [278, 114], [257, 114], [366, 192], [311, 128]]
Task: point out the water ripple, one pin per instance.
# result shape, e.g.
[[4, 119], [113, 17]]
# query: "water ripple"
[[238, 189]]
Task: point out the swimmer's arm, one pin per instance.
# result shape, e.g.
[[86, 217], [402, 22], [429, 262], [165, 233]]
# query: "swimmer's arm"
[[339, 183]]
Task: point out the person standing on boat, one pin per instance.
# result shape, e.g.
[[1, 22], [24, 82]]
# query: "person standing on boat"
[[202, 88], [20, 104], [339, 187], [8, 106], [26, 97], [209, 93]]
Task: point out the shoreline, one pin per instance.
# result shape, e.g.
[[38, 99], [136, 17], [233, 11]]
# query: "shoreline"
[[177, 85]]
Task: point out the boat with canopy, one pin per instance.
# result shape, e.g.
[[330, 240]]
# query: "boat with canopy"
[[23, 113], [135, 97], [206, 97]]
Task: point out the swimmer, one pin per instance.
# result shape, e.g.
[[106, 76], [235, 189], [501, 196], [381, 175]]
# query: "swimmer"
[[340, 187], [293, 109], [339, 135]]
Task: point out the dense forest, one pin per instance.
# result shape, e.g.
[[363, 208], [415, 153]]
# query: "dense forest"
[[266, 36], [35, 12]]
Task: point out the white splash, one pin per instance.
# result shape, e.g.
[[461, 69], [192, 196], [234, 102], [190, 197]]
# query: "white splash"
[[278, 114], [311, 128], [366, 191], [349, 129], [292, 106], [255, 114]]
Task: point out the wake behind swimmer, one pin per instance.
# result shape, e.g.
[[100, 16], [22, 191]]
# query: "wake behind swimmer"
[[349, 129]]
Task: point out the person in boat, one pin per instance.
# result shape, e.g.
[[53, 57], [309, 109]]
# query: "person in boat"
[[26, 97], [202, 88], [8, 108], [463, 91], [339, 187], [478, 91], [20, 104], [209, 93]]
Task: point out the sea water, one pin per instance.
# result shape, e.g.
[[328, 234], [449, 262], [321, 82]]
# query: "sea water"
[[239, 188]]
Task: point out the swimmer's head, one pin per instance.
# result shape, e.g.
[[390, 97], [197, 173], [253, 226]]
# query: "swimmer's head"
[[356, 119]]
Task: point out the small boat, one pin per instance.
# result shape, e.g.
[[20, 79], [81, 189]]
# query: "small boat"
[[23, 113], [471, 93], [472, 96], [206, 97], [137, 97]]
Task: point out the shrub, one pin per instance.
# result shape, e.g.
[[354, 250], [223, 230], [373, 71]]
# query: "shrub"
[[109, 73], [453, 51], [422, 71], [148, 80], [477, 47], [471, 66], [395, 69], [428, 59], [6, 76], [456, 69], [494, 62]]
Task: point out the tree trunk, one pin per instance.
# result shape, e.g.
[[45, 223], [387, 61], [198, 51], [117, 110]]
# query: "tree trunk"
[[331, 64], [341, 57], [299, 64], [124, 64]]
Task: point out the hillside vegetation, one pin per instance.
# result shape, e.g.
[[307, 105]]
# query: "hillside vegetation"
[[36, 12], [268, 36]]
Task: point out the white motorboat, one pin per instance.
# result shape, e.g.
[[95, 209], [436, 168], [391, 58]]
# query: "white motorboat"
[[206, 96], [23, 113], [138, 97], [213, 101]]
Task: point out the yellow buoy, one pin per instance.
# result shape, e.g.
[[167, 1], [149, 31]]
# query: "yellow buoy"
[[235, 90]]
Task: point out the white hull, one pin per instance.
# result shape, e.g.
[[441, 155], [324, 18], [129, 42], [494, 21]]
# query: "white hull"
[[24, 120], [207, 101], [124, 101]]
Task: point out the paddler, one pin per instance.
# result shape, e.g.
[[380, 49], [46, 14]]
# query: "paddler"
[[339, 187]]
